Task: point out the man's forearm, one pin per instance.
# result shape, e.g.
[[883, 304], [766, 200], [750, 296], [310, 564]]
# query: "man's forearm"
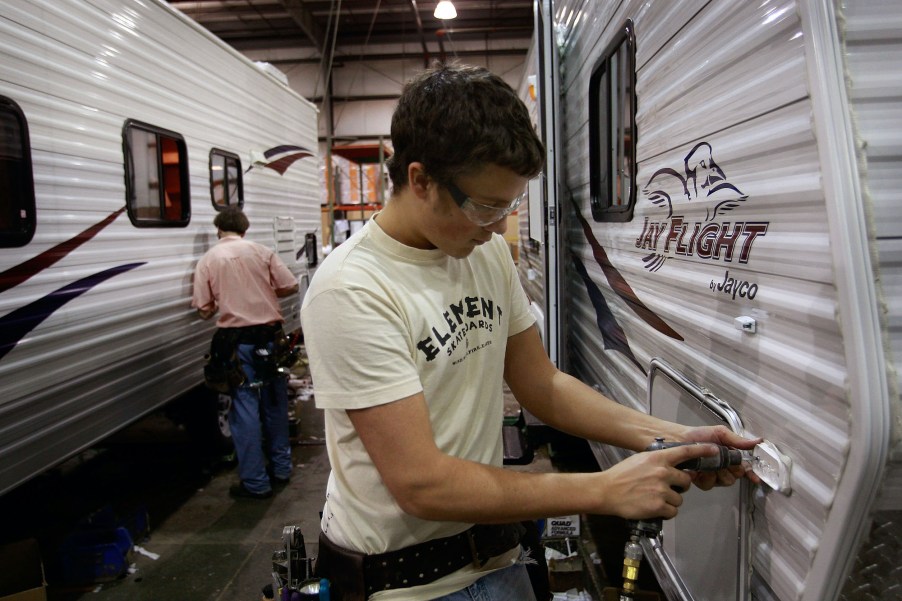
[[564, 402], [445, 488], [576, 408], [283, 292]]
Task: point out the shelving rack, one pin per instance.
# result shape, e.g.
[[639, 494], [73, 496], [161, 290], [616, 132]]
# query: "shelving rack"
[[369, 198]]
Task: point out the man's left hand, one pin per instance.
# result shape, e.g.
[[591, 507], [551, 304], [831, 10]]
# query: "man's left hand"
[[725, 437]]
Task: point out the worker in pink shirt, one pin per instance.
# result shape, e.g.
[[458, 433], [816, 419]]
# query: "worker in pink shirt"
[[243, 281]]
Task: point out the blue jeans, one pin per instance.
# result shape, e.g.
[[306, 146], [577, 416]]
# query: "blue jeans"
[[260, 414], [508, 584]]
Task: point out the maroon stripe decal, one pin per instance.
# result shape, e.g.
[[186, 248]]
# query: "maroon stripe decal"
[[280, 158], [17, 274], [620, 285], [283, 148], [281, 165], [19, 323]]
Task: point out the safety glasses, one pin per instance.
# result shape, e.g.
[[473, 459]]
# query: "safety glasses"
[[482, 214]]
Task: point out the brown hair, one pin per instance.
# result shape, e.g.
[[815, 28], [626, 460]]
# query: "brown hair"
[[457, 118], [231, 219]]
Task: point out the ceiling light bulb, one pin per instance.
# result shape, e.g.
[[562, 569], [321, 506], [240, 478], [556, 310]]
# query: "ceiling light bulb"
[[445, 10]]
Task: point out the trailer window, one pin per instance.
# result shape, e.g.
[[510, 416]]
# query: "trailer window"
[[612, 130], [156, 176], [17, 220], [226, 187]]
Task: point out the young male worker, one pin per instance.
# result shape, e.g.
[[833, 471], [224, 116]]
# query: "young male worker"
[[243, 280], [411, 326]]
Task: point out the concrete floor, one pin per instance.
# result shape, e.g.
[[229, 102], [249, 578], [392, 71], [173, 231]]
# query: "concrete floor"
[[208, 546], [202, 545], [217, 548]]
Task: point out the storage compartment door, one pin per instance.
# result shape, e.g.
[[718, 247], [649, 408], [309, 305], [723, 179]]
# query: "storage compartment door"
[[703, 552]]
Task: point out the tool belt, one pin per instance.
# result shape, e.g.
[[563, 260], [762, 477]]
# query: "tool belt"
[[355, 576], [222, 371], [259, 335]]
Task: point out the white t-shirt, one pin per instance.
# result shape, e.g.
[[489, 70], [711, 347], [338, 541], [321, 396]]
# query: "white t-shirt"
[[383, 321]]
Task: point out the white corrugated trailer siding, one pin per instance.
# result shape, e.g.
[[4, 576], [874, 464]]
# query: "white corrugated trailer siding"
[[735, 74], [873, 40], [79, 70], [874, 43]]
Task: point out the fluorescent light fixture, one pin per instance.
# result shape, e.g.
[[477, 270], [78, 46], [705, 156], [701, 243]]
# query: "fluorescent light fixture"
[[445, 10]]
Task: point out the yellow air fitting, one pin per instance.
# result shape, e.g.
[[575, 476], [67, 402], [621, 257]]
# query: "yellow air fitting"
[[632, 559]]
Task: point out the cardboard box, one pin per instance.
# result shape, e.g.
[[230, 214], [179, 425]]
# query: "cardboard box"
[[566, 565], [22, 572]]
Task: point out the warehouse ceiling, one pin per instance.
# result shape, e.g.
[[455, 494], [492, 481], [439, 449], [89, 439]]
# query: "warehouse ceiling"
[[389, 28]]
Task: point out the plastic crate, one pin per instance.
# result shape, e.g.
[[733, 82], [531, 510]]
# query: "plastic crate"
[[133, 519], [94, 556]]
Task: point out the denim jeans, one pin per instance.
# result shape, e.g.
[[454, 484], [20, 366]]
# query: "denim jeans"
[[259, 416], [508, 584]]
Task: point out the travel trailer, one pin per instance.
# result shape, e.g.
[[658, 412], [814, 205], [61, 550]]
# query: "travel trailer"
[[715, 242], [125, 127]]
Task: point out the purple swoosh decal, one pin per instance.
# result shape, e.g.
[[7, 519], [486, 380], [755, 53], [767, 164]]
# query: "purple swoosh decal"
[[612, 334], [16, 325]]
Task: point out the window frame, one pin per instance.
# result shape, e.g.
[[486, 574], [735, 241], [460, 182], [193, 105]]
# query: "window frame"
[[130, 174], [218, 152], [601, 190], [16, 237]]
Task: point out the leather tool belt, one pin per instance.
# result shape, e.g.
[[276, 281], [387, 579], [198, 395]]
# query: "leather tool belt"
[[223, 372], [261, 334], [355, 576]]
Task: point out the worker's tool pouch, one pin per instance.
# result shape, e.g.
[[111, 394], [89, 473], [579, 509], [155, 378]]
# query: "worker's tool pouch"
[[354, 576], [263, 338], [285, 353], [273, 350], [222, 371]]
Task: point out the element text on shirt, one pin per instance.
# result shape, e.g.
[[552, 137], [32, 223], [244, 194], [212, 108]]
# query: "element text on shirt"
[[457, 321]]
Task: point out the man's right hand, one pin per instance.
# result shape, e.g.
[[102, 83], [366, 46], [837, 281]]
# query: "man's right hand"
[[645, 485]]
